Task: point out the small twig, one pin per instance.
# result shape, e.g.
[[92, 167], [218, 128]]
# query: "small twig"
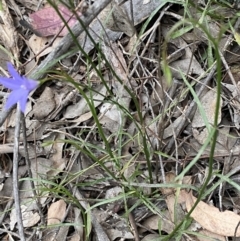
[[134, 227], [15, 175], [32, 235], [235, 233], [9, 232]]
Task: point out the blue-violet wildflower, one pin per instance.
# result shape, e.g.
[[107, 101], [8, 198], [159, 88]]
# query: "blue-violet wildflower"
[[20, 86]]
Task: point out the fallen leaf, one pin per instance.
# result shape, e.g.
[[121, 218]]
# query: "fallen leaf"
[[58, 162], [169, 131], [183, 66], [56, 212], [116, 18], [210, 218], [210, 236], [152, 223], [75, 237], [29, 217], [208, 102], [120, 231], [151, 237], [45, 104], [170, 194], [37, 44], [46, 22], [111, 111], [110, 117], [113, 192], [82, 107]]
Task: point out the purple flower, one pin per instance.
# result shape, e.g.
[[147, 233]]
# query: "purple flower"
[[20, 86]]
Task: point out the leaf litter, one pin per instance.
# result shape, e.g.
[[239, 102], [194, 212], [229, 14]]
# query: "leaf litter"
[[84, 146]]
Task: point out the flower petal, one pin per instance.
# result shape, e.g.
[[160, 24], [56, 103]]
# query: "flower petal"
[[10, 83], [23, 102], [21, 87], [30, 84], [15, 96], [14, 73]]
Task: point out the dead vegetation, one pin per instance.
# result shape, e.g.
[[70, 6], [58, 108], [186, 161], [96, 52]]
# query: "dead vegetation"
[[133, 132]]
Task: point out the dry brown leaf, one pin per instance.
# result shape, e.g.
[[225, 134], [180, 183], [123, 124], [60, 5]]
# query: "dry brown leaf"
[[140, 12], [82, 118], [58, 162], [56, 212], [39, 167], [146, 1], [174, 209], [45, 104], [120, 231], [29, 218], [170, 195], [4, 58], [37, 44], [169, 131], [116, 19], [188, 64], [153, 223], [75, 237], [209, 105], [82, 107], [183, 66], [110, 117], [151, 237], [201, 135], [46, 22], [210, 236], [210, 218]]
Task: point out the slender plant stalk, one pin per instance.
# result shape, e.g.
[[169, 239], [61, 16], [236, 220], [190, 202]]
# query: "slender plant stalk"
[[15, 175]]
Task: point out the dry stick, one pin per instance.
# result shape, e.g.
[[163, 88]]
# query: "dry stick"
[[15, 175], [4, 230], [134, 226]]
